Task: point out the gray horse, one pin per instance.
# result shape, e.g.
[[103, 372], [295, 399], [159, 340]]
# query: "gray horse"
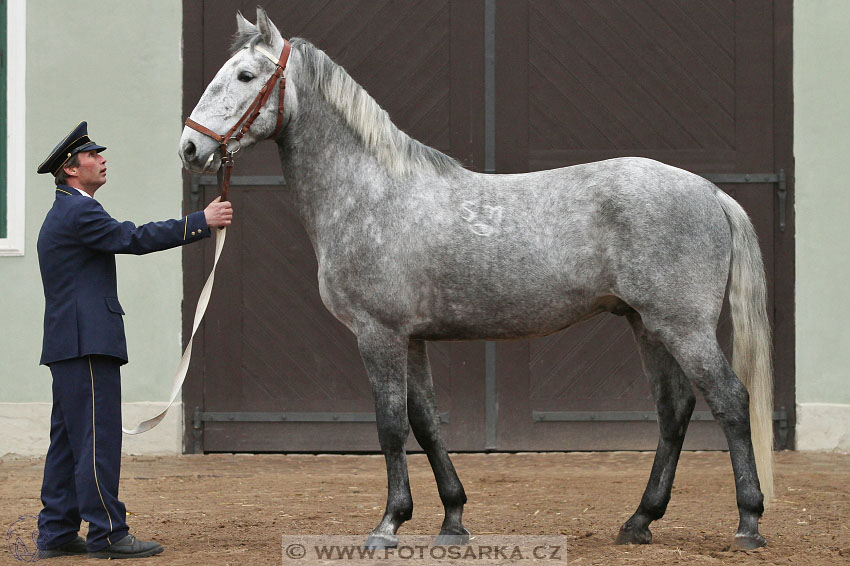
[[413, 247]]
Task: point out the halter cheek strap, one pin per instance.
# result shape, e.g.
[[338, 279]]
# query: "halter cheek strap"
[[284, 58]]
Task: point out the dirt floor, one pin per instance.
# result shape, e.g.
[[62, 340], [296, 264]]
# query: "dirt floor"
[[233, 509]]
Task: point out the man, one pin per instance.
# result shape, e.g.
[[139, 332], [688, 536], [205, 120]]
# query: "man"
[[84, 346]]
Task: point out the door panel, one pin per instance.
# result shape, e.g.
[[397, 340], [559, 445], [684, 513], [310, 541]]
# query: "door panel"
[[270, 348], [690, 84]]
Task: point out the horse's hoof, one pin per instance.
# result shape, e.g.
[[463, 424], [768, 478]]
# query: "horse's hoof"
[[378, 541], [451, 538], [748, 542], [633, 536]]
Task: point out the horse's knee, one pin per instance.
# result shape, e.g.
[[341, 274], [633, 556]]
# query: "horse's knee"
[[393, 436], [429, 437], [393, 426]]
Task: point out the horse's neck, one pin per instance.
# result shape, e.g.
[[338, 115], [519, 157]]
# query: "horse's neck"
[[326, 165]]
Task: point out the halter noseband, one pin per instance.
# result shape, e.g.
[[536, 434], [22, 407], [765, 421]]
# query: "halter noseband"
[[251, 114]]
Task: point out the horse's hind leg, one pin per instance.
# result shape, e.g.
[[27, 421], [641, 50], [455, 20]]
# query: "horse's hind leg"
[[425, 422], [675, 402], [704, 363], [385, 357]]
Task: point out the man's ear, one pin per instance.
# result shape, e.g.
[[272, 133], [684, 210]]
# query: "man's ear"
[[270, 34]]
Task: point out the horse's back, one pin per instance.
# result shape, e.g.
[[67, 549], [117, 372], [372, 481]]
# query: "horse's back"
[[544, 250], [621, 209]]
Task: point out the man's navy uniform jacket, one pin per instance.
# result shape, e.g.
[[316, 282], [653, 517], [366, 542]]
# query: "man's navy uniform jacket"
[[76, 248]]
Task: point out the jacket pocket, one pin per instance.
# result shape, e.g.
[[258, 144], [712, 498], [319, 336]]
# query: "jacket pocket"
[[113, 305]]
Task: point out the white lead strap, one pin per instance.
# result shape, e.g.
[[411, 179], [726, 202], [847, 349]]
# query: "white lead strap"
[[183, 368]]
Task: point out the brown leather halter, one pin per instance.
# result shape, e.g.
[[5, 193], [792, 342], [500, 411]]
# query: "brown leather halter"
[[248, 118]]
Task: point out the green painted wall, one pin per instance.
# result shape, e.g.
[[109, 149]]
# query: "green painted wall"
[[821, 150], [118, 65]]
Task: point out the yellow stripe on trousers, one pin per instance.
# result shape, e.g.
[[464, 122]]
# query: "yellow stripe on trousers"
[[94, 453]]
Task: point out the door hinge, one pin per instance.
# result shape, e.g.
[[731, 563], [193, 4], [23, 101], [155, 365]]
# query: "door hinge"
[[776, 178]]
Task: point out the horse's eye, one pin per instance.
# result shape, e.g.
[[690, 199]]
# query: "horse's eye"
[[246, 77]]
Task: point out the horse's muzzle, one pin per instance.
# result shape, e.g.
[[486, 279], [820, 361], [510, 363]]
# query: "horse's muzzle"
[[193, 160]]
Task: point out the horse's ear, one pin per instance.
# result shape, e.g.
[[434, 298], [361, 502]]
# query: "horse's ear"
[[244, 26], [270, 34]]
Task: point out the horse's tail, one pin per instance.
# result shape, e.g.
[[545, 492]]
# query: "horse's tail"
[[751, 350]]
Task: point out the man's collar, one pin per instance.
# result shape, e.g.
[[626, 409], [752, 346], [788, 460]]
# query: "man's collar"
[[72, 191]]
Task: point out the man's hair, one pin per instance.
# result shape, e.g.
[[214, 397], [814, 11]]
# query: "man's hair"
[[61, 176]]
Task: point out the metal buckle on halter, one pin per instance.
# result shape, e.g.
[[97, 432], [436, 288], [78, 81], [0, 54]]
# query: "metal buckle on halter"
[[229, 146]]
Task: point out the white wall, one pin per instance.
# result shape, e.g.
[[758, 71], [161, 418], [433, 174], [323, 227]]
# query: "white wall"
[[822, 151], [117, 65]]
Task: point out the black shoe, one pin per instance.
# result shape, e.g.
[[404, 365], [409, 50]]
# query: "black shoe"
[[128, 547], [75, 546]]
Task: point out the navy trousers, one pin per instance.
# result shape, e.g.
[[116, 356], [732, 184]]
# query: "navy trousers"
[[83, 462]]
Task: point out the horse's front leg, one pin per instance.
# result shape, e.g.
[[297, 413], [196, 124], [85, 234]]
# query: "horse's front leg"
[[385, 357], [425, 421]]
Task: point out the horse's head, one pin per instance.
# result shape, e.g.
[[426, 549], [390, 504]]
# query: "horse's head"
[[233, 90]]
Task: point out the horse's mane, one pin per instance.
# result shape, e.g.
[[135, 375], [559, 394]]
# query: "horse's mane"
[[400, 153]]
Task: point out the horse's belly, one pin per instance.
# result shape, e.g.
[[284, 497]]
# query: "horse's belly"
[[521, 316]]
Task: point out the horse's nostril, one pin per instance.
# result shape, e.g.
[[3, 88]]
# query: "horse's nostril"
[[189, 149]]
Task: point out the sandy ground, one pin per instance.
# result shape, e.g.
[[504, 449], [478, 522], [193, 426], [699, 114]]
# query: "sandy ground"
[[234, 509]]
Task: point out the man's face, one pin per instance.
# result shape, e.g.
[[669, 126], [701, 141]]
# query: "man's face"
[[91, 172]]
